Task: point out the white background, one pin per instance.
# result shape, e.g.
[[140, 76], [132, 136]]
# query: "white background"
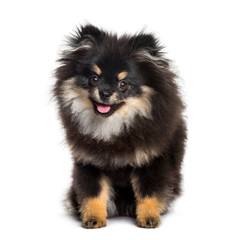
[[35, 164]]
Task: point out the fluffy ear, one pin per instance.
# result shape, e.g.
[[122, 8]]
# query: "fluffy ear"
[[84, 37], [79, 43], [145, 47], [146, 43], [89, 31], [143, 41]]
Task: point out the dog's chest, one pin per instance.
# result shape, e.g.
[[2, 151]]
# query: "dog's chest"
[[115, 155]]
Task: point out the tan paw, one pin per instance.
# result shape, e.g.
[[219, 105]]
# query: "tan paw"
[[149, 222], [94, 223]]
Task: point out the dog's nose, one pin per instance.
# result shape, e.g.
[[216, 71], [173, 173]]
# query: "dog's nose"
[[105, 94]]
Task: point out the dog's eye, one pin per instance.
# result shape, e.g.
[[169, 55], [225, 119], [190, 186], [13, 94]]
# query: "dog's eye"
[[93, 79], [123, 85]]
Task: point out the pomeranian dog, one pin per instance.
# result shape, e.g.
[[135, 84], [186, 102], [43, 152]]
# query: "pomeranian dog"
[[123, 118]]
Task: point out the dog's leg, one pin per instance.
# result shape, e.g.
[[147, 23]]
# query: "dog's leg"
[[148, 206], [93, 189], [94, 209]]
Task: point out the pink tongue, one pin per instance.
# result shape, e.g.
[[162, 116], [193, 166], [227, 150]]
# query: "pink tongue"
[[103, 108]]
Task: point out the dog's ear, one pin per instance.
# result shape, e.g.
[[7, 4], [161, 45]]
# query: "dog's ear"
[[89, 31], [84, 38], [142, 41], [145, 42], [145, 47], [79, 45]]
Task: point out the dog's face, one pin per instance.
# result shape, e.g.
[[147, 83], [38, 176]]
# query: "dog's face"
[[103, 82], [112, 85], [109, 87]]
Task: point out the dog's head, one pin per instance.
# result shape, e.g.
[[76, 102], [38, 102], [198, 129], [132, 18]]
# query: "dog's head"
[[105, 81]]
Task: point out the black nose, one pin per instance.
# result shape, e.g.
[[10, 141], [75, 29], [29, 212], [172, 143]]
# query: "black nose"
[[105, 94]]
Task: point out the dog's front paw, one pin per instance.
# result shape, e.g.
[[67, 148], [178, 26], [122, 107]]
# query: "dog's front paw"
[[149, 222], [94, 223], [94, 212], [148, 212]]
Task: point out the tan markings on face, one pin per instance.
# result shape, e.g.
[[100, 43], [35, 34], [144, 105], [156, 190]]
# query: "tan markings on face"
[[96, 95], [122, 75], [97, 69], [148, 209], [94, 210], [71, 92], [114, 98], [84, 96], [138, 105]]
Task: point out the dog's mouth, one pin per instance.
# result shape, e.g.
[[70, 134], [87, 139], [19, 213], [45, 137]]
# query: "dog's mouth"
[[103, 108], [106, 110]]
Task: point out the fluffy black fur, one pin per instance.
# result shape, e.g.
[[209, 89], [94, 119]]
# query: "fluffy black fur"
[[145, 144]]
